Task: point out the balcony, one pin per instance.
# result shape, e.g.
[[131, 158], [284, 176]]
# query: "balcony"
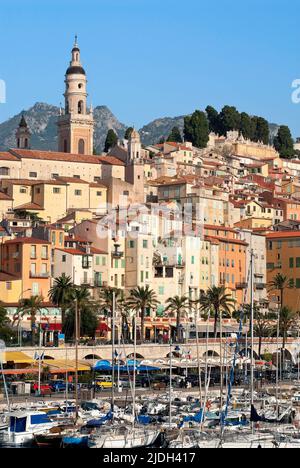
[[39, 275], [241, 285], [100, 284], [260, 286], [116, 253]]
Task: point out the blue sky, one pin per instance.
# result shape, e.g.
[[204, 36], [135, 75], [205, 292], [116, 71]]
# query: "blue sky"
[[152, 58]]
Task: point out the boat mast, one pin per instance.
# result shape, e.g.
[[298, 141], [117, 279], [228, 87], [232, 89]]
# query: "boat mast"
[[198, 354], [252, 326], [134, 368], [2, 347], [76, 355], [170, 385], [113, 353]]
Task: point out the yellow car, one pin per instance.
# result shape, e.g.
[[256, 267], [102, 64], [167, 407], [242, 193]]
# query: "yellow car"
[[104, 383]]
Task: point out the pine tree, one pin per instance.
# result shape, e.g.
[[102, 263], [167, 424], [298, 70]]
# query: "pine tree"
[[196, 129], [247, 129], [175, 136], [213, 117], [230, 119], [284, 143], [262, 131], [128, 133], [111, 141]]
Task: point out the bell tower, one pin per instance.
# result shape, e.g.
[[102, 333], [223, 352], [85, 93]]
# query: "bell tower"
[[76, 123], [23, 135]]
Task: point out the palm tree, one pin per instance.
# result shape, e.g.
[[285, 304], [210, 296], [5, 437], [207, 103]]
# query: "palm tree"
[[216, 298], [287, 320], [179, 306], [281, 283], [87, 311], [106, 301], [31, 306], [262, 328], [4, 320], [142, 298], [61, 294]]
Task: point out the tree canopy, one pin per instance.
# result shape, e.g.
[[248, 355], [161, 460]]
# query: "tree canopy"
[[175, 136], [284, 143], [196, 129], [111, 140]]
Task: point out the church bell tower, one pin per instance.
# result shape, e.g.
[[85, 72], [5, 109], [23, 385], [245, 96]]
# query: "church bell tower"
[[76, 123]]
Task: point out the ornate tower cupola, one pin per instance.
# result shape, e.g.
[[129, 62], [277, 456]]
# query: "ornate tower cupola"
[[76, 125], [134, 146], [23, 134]]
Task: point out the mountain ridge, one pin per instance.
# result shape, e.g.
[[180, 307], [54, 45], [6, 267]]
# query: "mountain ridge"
[[42, 118]]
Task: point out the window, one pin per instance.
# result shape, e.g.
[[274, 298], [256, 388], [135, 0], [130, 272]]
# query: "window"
[[56, 190], [298, 283], [23, 190], [126, 193], [33, 252], [54, 176], [33, 175], [8, 286], [297, 262], [35, 289], [145, 244], [44, 252], [37, 190], [161, 290], [142, 276], [76, 176], [193, 260], [99, 194], [97, 261], [131, 244], [81, 146], [4, 171], [291, 263], [78, 193], [103, 261], [64, 258]]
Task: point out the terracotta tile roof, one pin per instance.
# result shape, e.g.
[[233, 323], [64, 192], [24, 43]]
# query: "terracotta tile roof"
[[6, 156], [73, 251], [219, 228], [230, 241], [29, 206], [55, 156], [28, 182], [4, 196], [98, 251], [71, 180], [283, 235], [110, 160], [27, 240], [8, 277], [98, 185]]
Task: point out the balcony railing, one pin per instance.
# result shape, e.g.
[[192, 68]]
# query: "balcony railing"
[[241, 285], [117, 254], [260, 286], [39, 275]]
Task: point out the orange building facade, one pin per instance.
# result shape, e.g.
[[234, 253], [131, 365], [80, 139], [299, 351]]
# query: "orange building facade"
[[232, 260], [283, 257], [30, 260]]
